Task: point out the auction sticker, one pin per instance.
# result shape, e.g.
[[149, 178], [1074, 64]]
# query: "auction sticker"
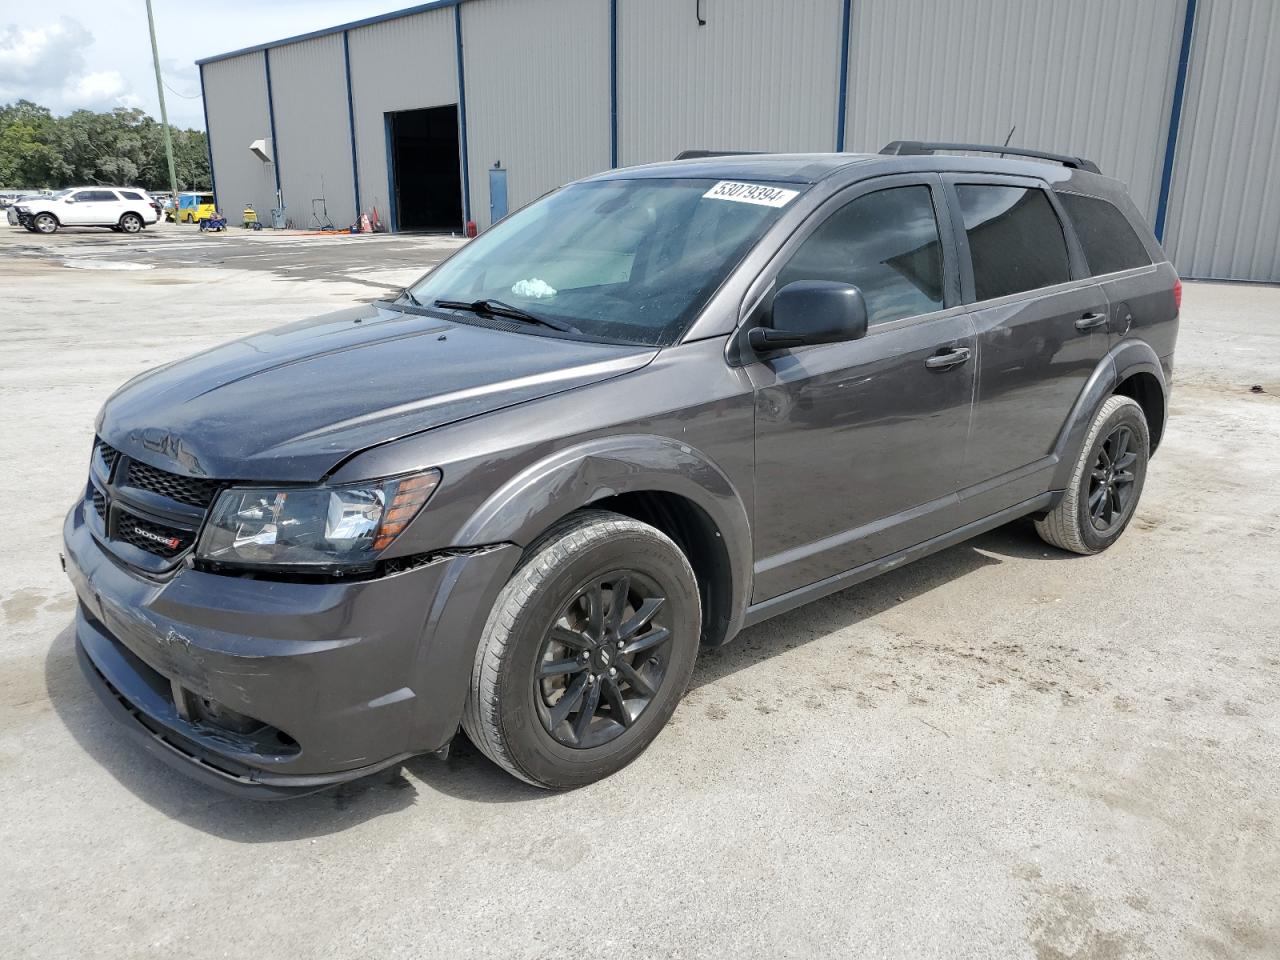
[[756, 193]]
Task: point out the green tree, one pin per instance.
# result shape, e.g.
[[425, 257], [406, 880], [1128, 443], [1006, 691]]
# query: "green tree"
[[123, 146]]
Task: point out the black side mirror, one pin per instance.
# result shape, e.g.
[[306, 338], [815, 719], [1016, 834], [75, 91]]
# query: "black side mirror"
[[812, 311]]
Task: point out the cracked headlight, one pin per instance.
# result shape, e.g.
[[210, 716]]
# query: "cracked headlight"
[[332, 527]]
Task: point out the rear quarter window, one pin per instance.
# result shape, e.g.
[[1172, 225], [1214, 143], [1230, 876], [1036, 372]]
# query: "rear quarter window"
[[1109, 240], [130, 195]]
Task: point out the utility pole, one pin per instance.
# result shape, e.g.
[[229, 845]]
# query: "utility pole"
[[164, 114]]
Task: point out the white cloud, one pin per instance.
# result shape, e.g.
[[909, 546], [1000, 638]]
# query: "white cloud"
[[47, 64]]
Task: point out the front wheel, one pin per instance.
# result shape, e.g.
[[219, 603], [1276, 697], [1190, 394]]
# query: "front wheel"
[[1107, 481], [586, 652], [46, 223]]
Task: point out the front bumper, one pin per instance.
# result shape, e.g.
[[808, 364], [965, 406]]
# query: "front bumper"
[[340, 679]]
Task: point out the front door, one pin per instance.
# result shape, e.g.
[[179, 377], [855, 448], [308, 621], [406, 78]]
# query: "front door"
[[1042, 329], [859, 445]]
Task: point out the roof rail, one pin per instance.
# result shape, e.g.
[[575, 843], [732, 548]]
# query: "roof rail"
[[701, 154], [924, 147]]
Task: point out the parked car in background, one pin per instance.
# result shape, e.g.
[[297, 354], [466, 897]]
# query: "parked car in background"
[[650, 409], [126, 209], [193, 207]]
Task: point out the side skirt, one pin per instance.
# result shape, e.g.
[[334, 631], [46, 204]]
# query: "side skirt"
[[759, 612]]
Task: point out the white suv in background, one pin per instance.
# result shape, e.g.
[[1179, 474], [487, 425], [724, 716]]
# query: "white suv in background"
[[121, 208]]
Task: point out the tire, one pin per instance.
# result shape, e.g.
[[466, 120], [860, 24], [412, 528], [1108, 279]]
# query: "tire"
[[1090, 518], [45, 223], [515, 711], [131, 223]]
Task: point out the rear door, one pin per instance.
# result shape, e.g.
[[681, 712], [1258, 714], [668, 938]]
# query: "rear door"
[[1041, 326], [859, 445]]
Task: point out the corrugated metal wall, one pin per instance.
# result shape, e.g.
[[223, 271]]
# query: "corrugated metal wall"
[[537, 81], [1093, 77], [1088, 77], [402, 64], [761, 75], [1224, 210], [236, 101], [313, 143]]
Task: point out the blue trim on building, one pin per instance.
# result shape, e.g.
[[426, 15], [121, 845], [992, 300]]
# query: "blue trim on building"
[[329, 31], [391, 175], [462, 119], [351, 121], [271, 117], [613, 83], [842, 100], [208, 144], [1175, 120]]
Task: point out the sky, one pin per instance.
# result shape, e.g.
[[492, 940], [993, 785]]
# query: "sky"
[[96, 54]]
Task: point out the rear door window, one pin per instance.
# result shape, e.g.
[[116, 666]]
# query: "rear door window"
[[1109, 241], [1016, 242], [96, 196], [885, 243]]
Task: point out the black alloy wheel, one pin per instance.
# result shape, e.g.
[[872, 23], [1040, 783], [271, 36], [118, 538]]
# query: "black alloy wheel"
[[603, 660], [1111, 481]]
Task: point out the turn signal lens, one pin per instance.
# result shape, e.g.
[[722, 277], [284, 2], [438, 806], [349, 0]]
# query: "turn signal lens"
[[1177, 293], [410, 495]]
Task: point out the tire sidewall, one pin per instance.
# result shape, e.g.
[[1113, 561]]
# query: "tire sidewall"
[[42, 219], [533, 749], [1130, 415], [131, 223]]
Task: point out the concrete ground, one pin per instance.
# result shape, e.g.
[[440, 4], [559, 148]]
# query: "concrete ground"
[[1000, 751]]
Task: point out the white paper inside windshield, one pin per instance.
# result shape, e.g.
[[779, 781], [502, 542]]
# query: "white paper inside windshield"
[[756, 193]]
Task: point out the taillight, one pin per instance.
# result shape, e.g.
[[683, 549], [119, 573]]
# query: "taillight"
[[1177, 293]]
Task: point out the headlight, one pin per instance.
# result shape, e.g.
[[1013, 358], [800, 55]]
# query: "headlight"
[[24, 209], [345, 526]]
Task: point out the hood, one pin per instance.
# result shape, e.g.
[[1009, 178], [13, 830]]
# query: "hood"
[[291, 403]]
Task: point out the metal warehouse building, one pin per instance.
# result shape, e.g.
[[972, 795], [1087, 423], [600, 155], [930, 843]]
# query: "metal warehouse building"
[[460, 109]]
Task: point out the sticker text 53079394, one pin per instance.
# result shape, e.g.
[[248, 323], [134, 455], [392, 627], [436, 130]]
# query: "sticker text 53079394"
[[757, 193]]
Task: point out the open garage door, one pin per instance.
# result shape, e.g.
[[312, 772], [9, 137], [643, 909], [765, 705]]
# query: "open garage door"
[[426, 178]]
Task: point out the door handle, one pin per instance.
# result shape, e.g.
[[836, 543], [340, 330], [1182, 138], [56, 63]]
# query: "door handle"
[[945, 361], [1091, 320]]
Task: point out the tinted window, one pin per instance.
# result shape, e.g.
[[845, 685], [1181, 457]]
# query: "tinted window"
[[1108, 240], [1015, 239], [95, 195], [130, 195], [886, 243]]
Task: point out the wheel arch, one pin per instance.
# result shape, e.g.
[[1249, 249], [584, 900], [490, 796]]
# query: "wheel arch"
[[1144, 387], [1131, 365], [657, 480]]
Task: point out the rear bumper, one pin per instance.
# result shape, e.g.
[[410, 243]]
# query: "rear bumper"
[[338, 680]]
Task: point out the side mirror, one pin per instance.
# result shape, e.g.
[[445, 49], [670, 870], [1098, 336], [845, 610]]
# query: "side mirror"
[[812, 311]]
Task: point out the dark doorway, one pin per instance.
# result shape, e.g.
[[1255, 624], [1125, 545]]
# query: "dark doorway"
[[426, 178]]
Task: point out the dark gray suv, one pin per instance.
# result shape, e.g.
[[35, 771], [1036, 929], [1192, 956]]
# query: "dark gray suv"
[[654, 407]]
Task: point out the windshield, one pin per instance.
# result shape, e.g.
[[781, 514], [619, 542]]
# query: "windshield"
[[622, 260], [58, 194]]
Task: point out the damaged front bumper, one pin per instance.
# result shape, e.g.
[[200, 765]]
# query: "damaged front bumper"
[[270, 689]]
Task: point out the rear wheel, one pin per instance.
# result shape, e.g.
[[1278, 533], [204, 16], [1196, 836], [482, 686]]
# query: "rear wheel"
[[587, 651], [131, 223], [46, 223], [1106, 483]]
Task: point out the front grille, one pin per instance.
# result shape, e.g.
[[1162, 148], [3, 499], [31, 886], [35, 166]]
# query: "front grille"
[[100, 505], [163, 541], [189, 490], [108, 453]]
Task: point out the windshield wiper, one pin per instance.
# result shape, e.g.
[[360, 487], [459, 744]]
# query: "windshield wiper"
[[496, 308]]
